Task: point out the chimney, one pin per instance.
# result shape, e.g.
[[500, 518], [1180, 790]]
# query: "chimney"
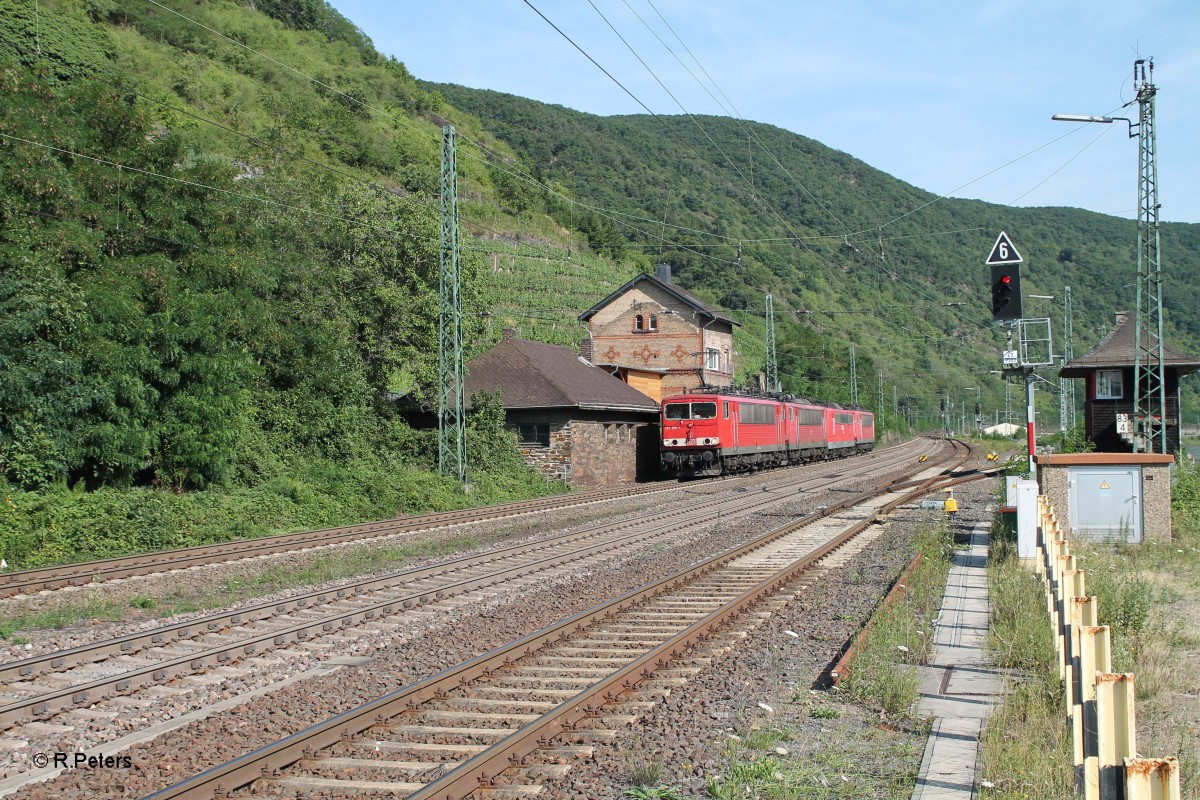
[[510, 334], [587, 349], [1122, 316], [663, 272]]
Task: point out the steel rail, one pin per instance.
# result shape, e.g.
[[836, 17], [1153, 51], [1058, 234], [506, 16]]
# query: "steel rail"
[[43, 704], [479, 770], [81, 573]]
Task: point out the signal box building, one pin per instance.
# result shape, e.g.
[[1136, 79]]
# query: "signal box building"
[[573, 421], [658, 338], [1109, 402]]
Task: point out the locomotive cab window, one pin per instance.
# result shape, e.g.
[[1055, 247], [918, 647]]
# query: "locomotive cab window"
[[690, 411], [725, 409]]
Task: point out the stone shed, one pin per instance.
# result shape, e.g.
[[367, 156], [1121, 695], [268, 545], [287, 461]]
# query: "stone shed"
[[573, 420]]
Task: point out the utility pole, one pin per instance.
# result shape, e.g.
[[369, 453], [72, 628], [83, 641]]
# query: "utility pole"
[[1066, 386], [451, 430], [879, 406], [853, 377], [773, 383], [1149, 380]]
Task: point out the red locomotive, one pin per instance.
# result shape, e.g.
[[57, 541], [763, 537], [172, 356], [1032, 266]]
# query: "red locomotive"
[[714, 430]]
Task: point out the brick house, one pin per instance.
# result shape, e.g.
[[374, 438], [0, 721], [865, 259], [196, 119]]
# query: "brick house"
[[1108, 403], [658, 338], [573, 420]]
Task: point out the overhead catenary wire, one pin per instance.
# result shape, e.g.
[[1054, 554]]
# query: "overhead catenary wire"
[[520, 175], [754, 194]]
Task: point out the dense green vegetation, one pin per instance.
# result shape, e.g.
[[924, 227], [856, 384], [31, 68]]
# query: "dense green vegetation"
[[188, 309], [219, 249]]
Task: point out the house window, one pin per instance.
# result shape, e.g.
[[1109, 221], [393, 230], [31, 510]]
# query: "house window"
[[712, 358], [638, 322], [654, 322], [1110, 384], [534, 433]]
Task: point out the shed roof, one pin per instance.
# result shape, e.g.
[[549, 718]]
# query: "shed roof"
[[670, 288], [538, 375], [1116, 350]]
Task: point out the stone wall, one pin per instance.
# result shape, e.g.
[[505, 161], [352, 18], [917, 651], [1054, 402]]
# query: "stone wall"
[[591, 449], [553, 462], [603, 453]]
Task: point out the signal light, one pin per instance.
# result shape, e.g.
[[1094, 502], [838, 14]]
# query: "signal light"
[[1006, 292]]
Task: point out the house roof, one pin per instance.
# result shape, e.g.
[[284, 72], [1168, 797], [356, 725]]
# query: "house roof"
[[537, 375], [667, 287], [1116, 350]]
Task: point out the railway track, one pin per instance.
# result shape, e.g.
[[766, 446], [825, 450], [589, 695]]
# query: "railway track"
[[42, 686], [78, 574], [500, 724], [90, 572]]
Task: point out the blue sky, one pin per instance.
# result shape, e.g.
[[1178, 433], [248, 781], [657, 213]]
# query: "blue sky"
[[935, 92]]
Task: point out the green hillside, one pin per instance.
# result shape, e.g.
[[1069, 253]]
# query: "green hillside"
[[875, 261]]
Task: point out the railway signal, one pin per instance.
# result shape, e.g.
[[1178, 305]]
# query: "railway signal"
[[1006, 292]]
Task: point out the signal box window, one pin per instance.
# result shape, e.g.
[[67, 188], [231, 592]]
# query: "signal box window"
[[534, 433], [1110, 384]]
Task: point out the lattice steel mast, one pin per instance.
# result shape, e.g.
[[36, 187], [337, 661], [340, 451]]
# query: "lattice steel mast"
[[452, 458], [1149, 379], [773, 384]]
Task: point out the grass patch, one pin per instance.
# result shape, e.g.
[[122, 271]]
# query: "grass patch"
[[92, 607], [343, 563], [1149, 595], [883, 671], [849, 763], [1026, 743]]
